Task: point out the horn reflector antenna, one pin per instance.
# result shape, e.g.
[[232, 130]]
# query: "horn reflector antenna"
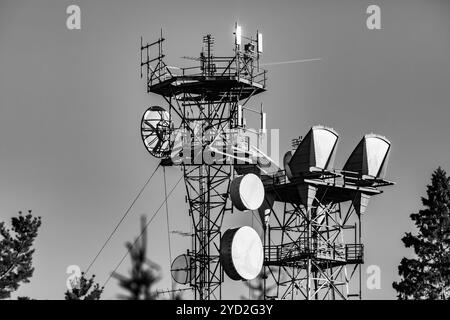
[[315, 152], [370, 156]]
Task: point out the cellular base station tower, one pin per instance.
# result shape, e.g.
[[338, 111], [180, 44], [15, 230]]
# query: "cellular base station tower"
[[307, 247]]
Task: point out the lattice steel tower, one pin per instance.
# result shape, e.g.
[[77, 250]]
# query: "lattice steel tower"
[[313, 247], [205, 105]]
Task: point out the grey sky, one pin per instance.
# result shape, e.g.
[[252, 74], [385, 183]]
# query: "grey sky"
[[71, 103]]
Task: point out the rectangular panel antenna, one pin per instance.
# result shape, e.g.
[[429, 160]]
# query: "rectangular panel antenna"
[[260, 43], [238, 35]]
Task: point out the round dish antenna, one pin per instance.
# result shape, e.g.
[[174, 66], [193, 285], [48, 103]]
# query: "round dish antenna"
[[181, 269], [247, 192], [155, 131], [241, 253]]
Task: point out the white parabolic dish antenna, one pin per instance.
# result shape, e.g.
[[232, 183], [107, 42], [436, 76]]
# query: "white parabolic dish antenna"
[[155, 131], [241, 253], [247, 192]]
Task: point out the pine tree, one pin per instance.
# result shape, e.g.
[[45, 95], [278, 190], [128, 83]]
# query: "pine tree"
[[84, 289], [16, 252], [428, 275], [144, 273]]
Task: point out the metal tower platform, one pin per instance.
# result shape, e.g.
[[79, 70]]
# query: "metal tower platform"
[[316, 234]]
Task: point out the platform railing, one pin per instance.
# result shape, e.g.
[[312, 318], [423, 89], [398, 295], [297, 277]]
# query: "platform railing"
[[216, 67], [354, 252], [335, 176], [302, 249]]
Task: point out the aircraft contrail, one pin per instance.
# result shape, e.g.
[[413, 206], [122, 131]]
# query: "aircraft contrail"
[[290, 61]]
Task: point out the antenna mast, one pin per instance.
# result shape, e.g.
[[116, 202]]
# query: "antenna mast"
[[203, 105]]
